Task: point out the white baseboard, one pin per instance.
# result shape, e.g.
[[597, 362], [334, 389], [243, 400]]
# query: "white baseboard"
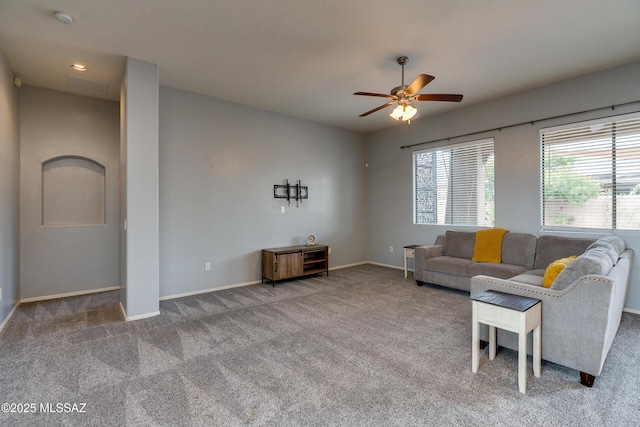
[[205, 291], [124, 313], [138, 317], [385, 265], [6, 321], [355, 264], [143, 316], [69, 294], [239, 285]]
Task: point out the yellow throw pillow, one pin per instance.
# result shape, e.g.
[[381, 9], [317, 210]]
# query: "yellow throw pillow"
[[554, 269], [488, 246]]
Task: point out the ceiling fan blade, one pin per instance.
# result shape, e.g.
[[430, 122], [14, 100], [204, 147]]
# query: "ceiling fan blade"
[[377, 109], [421, 81], [438, 97], [382, 95]]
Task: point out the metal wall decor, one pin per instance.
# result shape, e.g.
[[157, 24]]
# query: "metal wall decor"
[[291, 191]]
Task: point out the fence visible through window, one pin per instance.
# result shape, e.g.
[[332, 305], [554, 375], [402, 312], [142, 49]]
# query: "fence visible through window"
[[590, 175]]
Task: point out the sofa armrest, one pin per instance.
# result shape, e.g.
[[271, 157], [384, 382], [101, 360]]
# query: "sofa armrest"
[[578, 322], [421, 255], [426, 252]]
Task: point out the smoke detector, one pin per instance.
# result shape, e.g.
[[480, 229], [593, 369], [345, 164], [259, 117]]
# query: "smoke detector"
[[65, 18]]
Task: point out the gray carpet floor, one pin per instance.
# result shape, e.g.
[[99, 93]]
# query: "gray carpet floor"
[[362, 347]]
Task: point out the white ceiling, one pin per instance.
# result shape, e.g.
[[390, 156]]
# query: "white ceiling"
[[305, 58]]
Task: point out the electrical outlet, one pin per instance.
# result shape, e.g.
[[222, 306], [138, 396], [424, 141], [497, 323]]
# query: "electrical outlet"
[[390, 248], [329, 251], [207, 266]]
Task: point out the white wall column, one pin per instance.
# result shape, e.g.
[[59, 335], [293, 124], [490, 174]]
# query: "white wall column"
[[9, 191], [139, 190]]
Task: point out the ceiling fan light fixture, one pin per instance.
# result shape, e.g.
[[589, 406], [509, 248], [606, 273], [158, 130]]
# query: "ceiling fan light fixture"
[[409, 112], [397, 112], [79, 67], [403, 95]]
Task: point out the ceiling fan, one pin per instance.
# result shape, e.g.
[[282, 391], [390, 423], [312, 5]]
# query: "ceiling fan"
[[403, 95]]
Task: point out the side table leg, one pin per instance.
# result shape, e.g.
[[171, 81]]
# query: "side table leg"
[[537, 356], [405, 263], [492, 342], [475, 340], [522, 357]]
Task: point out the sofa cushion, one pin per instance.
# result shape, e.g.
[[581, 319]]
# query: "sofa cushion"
[[501, 271], [551, 248], [531, 277], [459, 244], [594, 261], [519, 249], [612, 245], [554, 269], [614, 242], [488, 245], [449, 265], [606, 250]]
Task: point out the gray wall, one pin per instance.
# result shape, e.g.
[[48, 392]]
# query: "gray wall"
[[219, 162], [83, 254], [9, 190], [139, 161], [517, 149]]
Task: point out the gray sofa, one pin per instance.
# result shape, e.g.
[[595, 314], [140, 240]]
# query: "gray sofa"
[[581, 311]]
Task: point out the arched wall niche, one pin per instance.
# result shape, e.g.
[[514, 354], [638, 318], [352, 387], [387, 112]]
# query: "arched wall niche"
[[73, 191]]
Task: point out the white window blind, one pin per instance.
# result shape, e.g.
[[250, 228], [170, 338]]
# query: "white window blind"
[[591, 175], [454, 185]]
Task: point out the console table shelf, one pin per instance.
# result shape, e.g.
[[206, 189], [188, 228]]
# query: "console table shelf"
[[294, 261]]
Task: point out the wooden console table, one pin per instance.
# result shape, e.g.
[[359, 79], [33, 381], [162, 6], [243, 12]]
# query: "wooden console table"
[[294, 261]]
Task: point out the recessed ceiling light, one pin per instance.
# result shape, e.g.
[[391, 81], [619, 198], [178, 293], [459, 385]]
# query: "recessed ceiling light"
[[65, 18], [78, 67]]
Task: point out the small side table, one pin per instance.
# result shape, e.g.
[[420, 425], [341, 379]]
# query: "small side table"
[[512, 313], [409, 252]]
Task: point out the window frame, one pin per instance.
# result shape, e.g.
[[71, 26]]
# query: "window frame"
[[486, 141], [614, 174]]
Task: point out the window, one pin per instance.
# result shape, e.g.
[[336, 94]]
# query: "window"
[[454, 185], [590, 174]]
